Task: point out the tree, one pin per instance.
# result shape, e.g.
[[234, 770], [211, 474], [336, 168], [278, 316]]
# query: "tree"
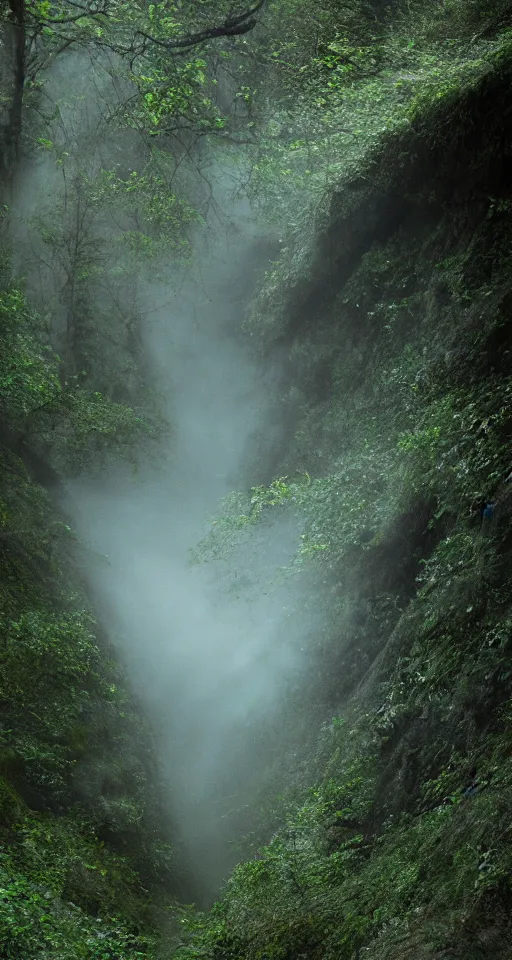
[[12, 78], [35, 32]]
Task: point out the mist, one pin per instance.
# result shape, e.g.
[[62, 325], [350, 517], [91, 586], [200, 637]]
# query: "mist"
[[211, 649], [209, 659]]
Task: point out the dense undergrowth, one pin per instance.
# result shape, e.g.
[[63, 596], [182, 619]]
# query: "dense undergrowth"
[[395, 838], [86, 864], [390, 306], [85, 860], [83, 835]]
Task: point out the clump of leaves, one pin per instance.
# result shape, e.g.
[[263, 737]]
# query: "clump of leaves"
[[29, 374]]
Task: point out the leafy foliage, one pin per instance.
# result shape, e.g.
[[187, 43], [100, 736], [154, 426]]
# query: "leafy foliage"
[[394, 320], [29, 375], [391, 304]]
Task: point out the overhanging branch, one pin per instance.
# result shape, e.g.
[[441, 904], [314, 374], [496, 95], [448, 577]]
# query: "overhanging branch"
[[232, 27]]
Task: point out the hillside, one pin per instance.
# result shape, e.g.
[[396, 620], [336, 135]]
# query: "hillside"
[[394, 317], [378, 144]]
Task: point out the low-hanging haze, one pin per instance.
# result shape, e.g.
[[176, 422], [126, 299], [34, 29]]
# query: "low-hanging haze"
[[210, 649]]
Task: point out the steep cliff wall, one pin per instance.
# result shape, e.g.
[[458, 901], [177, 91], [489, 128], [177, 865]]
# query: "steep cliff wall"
[[397, 333]]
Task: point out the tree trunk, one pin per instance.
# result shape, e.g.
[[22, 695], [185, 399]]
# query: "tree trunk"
[[12, 80]]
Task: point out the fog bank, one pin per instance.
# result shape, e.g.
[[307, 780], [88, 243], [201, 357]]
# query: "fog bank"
[[209, 660], [210, 649]]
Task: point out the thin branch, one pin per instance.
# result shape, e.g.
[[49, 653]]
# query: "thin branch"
[[233, 27]]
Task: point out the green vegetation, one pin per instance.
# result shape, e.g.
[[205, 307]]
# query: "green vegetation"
[[381, 135], [394, 838], [343, 78], [86, 865], [78, 783]]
